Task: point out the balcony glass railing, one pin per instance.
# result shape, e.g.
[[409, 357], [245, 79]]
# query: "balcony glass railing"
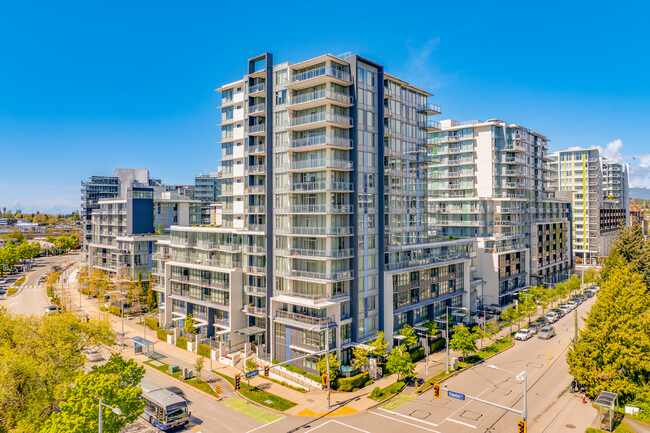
[[324, 116], [256, 88], [322, 186], [342, 164], [321, 208], [325, 70], [320, 140]]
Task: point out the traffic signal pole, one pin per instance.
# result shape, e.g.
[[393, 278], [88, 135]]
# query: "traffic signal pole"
[[327, 357]]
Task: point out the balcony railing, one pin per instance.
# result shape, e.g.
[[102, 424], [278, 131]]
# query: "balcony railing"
[[255, 311], [316, 231], [321, 208], [257, 108], [329, 71], [303, 318], [322, 186], [324, 116], [304, 164], [321, 94], [258, 168], [321, 140], [257, 88], [259, 127], [255, 290], [251, 269], [325, 276], [330, 254]]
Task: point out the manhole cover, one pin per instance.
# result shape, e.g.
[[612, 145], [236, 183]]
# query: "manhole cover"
[[470, 415], [502, 391], [570, 426], [535, 364], [310, 400], [420, 414]]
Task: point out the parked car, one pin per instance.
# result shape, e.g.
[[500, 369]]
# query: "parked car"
[[559, 312], [546, 332], [572, 305], [542, 321], [564, 309], [93, 355], [523, 334], [551, 317], [51, 309], [534, 327], [589, 293]]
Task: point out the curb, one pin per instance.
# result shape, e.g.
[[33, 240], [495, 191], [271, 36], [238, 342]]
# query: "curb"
[[239, 394]]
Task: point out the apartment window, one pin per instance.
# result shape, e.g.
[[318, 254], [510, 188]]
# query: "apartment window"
[[280, 330]]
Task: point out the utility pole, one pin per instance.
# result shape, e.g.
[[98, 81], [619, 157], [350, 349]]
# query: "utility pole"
[[447, 336]]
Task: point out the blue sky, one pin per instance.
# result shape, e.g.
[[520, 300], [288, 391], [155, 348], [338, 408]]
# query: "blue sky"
[[86, 87]]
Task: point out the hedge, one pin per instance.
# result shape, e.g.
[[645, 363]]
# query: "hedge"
[[182, 342], [151, 322], [162, 334], [114, 310], [203, 350], [417, 354], [295, 369], [350, 383], [438, 344]]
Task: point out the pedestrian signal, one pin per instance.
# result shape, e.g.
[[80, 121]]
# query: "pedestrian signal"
[[266, 370], [521, 426]]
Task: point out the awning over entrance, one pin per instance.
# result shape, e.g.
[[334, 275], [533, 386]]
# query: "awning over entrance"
[[251, 330]]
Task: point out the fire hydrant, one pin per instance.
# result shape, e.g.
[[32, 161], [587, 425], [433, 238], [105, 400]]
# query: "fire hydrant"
[[584, 398]]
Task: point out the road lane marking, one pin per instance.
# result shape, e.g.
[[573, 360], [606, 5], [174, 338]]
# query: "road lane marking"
[[404, 422], [267, 424], [338, 422], [409, 417], [460, 422]]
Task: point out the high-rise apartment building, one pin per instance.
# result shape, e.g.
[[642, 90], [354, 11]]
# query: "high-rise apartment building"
[[325, 214], [208, 187], [578, 174], [488, 183]]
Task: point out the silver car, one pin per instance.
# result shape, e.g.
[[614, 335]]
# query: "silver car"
[[546, 332]]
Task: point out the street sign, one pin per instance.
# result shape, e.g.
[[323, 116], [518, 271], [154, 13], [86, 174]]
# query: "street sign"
[[252, 373], [457, 395]]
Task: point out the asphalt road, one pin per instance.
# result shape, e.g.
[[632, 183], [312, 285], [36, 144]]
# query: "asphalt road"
[[32, 297], [544, 362]]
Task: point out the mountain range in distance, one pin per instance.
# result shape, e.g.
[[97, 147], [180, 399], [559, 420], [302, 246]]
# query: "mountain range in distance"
[[640, 193]]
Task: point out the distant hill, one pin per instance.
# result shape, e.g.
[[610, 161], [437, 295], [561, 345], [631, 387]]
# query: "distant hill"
[[640, 193]]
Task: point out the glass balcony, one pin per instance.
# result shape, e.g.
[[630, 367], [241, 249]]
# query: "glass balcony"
[[308, 143], [303, 319], [322, 186], [313, 99], [321, 208], [321, 164], [319, 76], [324, 118], [258, 88], [256, 109]]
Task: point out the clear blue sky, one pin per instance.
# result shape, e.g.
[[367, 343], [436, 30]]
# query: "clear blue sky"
[[86, 87]]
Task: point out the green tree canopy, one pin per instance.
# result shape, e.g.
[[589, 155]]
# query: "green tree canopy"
[[410, 337], [40, 357], [379, 345], [335, 365], [116, 383], [189, 325], [360, 357], [399, 361], [613, 351], [463, 340]]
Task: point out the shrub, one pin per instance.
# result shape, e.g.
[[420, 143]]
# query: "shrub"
[[203, 350], [396, 387], [350, 383], [151, 322], [438, 344], [103, 309], [295, 369], [370, 382], [162, 334], [116, 311], [417, 354], [182, 342], [275, 361], [376, 393], [313, 377]]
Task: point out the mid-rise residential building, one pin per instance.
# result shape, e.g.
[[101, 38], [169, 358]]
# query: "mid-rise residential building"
[[488, 183], [595, 219], [107, 187], [208, 187], [616, 184], [125, 230]]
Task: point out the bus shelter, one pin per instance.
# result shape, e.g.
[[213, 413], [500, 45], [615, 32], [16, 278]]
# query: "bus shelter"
[[142, 346], [607, 403]]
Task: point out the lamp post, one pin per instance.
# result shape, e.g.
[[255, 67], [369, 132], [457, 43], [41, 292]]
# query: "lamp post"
[[447, 329], [116, 410], [327, 358], [518, 376]]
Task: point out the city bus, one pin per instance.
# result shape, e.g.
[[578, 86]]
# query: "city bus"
[[163, 409]]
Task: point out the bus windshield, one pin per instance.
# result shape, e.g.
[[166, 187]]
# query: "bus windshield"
[[176, 412]]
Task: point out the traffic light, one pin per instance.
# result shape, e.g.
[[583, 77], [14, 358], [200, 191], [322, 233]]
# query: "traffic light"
[[521, 426], [266, 370], [237, 380], [324, 380], [436, 390], [218, 390]]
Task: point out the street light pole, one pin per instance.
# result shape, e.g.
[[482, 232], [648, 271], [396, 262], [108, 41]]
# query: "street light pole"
[[447, 336], [327, 357], [116, 410], [524, 412], [122, 310]]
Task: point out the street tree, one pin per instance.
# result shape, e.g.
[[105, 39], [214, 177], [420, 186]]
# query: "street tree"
[[399, 361], [509, 316], [335, 365], [249, 367], [198, 365], [463, 340], [613, 350], [379, 345], [116, 383], [360, 358], [410, 337], [40, 357]]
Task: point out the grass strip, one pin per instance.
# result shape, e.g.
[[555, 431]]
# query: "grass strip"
[[195, 382], [255, 412], [388, 391], [11, 291], [260, 396], [398, 401], [19, 281]]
